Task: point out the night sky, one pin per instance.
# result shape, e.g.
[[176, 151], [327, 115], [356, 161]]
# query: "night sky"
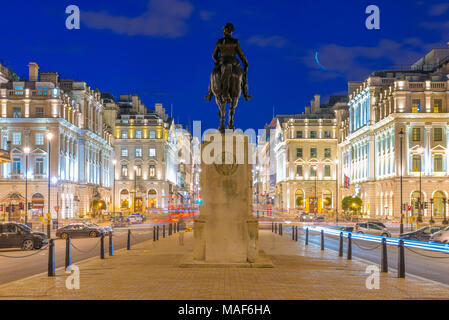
[[161, 49]]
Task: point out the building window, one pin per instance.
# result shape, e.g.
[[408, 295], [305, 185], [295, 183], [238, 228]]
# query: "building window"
[[124, 134], [138, 134], [18, 90], [39, 112], [16, 138], [298, 134], [152, 171], [312, 134], [39, 139], [17, 112], [416, 105], [312, 152], [138, 152], [416, 134], [416, 163], [299, 152], [16, 166], [124, 170], [438, 134], [124, 152], [437, 105], [438, 163], [299, 170], [152, 134], [139, 170], [39, 167], [327, 135], [327, 153], [152, 152], [327, 170], [312, 171]]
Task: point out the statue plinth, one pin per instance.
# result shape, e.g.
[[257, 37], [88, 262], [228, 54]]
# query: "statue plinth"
[[226, 232]]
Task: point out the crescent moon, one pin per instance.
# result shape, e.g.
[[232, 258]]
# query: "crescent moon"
[[318, 62]]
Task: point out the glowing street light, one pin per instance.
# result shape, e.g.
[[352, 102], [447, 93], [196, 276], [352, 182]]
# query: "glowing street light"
[[26, 150], [49, 138]]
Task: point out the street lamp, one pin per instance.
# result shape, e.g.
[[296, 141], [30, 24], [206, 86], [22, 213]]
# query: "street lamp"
[[445, 220], [135, 187], [114, 162], [26, 150], [336, 191], [420, 151], [315, 199], [431, 211], [401, 228], [49, 138]]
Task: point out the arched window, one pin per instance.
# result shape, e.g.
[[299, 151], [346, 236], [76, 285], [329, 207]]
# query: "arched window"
[[327, 199], [438, 203], [414, 199], [152, 198], [124, 199], [299, 199]]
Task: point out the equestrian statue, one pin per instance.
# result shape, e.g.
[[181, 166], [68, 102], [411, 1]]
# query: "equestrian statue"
[[228, 79]]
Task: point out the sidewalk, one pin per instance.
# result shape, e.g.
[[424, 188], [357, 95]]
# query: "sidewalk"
[[150, 271]]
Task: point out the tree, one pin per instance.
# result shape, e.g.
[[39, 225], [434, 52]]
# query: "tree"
[[299, 202], [351, 203]]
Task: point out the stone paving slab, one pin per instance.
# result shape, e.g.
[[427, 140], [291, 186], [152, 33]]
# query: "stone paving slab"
[[151, 271]]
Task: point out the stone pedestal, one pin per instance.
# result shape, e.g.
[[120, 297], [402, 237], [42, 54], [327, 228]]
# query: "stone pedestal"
[[226, 233]]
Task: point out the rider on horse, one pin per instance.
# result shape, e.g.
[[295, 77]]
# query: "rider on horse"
[[225, 53]]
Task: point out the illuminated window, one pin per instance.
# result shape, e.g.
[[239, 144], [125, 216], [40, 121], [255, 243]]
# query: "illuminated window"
[[438, 163], [298, 134], [327, 134], [312, 134], [39, 167], [138, 134], [138, 170], [39, 139], [327, 171], [299, 170], [124, 134], [312, 152], [152, 134], [39, 112], [416, 134], [17, 112], [138, 152], [416, 105], [299, 152], [438, 134], [124, 170], [327, 153], [152, 171], [152, 152], [16, 138], [416, 163], [124, 152], [312, 172], [16, 166], [437, 105]]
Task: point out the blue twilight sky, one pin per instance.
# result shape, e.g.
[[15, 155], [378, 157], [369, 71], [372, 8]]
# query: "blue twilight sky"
[[161, 49]]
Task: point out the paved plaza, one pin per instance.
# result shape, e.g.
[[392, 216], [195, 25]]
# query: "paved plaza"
[[150, 271]]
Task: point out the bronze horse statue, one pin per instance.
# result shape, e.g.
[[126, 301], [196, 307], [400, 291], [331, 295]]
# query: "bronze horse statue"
[[228, 79]]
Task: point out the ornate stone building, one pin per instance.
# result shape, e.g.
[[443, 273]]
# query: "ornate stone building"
[[57, 134], [414, 102]]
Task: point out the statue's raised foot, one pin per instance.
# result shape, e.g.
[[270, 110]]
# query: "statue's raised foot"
[[209, 96]]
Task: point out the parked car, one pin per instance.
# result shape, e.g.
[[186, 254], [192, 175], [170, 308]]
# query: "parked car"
[[108, 229], [79, 230], [371, 228], [441, 236], [319, 219], [422, 234], [379, 224], [135, 218], [18, 235]]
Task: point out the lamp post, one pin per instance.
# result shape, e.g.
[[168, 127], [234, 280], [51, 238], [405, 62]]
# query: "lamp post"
[[114, 162], [445, 220], [135, 187], [315, 199], [431, 211], [336, 191], [49, 138], [420, 205], [401, 228], [26, 150]]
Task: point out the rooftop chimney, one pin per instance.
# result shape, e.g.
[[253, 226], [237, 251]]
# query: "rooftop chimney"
[[33, 71], [316, 104]]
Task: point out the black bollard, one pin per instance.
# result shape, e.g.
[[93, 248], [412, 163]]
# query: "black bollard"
[[280, 229], [275, 228], [322, 239], [128, 244], [111, 245], [169, 229], [157, 233], [177, 227], [296, 234], [68, 253], [401, 259], [163, 231], [307, 236], [293, 233], [340, 248], [174, 228], [102, 246], [272, 227], [383, 258], [51, 258], [154, 233], [349, 253]]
